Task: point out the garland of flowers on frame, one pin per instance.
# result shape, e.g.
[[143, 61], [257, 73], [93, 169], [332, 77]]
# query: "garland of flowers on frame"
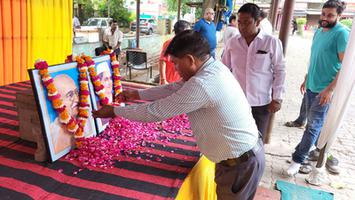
[[116, 77], [74, 126], [95, 79]]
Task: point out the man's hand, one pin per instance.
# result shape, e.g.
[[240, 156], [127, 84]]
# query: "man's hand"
[[106, 111], [325, 96], [274, 106], [128, 95], [303, 87]]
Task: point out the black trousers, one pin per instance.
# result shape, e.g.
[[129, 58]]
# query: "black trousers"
[[240, 182], [261, 116]]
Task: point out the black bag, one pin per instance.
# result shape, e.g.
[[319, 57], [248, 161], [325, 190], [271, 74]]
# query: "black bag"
[[99, 50]]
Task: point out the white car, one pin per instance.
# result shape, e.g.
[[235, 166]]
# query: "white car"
[[147, 26], [96, 22]]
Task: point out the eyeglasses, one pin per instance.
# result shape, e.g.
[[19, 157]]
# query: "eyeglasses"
[[72, 94], [212, 13]]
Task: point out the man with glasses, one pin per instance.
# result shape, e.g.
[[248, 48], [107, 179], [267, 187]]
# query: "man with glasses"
[[257, 62], [327, 52], [62, 139], [207, 28]]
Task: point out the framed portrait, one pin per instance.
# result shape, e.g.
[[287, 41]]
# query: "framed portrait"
[[104, 71], [66, 79]]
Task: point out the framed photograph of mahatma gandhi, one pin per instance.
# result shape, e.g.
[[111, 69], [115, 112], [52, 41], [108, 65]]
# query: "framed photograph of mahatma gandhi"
[[66, 80], [104, 72]]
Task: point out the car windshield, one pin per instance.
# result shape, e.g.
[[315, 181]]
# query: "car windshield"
[[92, 22]]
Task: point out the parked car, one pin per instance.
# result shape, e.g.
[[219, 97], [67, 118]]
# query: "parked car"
[[147, 26], [96, 22]]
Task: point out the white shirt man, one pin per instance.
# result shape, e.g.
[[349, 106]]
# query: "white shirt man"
[[113, 36], [266, 26], [231, 30], [256, 60]]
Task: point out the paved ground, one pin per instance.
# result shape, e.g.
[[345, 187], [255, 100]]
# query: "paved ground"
[[284, 139]]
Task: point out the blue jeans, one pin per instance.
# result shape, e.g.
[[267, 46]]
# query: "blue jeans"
[[302, 117], [315, 119]]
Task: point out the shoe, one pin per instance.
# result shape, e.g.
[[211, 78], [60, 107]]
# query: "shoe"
[[294, 124], [293, 169], [305, 169], [313, 155], [332, 165]]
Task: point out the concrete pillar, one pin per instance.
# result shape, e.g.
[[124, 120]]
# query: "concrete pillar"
[[274, 12], [138, 12], [287, 13]]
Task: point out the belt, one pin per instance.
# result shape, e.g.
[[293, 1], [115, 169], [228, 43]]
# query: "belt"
[[244, 157]]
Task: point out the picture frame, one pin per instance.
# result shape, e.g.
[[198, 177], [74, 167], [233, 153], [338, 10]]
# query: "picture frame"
[[104, 71], [66, 79]]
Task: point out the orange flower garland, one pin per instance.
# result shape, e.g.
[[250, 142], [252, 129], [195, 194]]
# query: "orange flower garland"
[[99, 88], [116, 76], [74, 126]]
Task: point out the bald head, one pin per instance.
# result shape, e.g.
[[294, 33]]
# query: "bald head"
[[68, 91], [209, 14]]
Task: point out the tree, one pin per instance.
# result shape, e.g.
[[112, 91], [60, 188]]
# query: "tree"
[[115, 10], [86, 9], [173, 6]]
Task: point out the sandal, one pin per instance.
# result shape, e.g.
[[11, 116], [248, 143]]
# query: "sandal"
[[305, 169], [293, 124]]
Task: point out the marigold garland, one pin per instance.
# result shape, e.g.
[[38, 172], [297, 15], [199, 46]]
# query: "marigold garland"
[[74, 126], [116, 77], [98, 87]]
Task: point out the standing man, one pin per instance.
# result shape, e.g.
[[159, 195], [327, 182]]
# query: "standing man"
[[76, 24], [265, 24], [327, 52], [219, 114], [206, 27], [231, 30], [167, 72], [256, 60], [113, 37]]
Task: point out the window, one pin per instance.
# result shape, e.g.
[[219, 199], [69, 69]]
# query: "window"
[[103, 23]]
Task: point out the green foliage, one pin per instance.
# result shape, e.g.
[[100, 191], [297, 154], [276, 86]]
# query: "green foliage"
[[86, 10], [301, 21], [347, 22], [173, 6], [115, 10]]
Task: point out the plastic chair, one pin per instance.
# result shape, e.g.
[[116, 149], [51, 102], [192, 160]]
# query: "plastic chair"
[[137, 60]]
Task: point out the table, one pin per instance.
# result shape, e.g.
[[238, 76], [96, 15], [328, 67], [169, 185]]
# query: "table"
[[23, 178]]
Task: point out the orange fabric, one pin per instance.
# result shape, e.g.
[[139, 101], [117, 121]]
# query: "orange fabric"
[[32, 29], [13, 35], [171, 74]]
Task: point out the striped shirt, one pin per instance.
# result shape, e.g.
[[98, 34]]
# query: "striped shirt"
[[218, 111]]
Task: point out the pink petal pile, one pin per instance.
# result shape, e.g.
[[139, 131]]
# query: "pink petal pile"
[[125, 137]]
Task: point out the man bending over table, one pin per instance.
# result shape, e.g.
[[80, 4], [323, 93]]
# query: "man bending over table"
[[218, 111]]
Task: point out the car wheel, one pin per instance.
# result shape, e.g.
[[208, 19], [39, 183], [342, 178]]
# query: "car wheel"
[[150, 31]]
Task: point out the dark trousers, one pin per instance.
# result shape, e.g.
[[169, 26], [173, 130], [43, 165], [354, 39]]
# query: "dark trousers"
[[302, 117], [240, 182], [261, 116]]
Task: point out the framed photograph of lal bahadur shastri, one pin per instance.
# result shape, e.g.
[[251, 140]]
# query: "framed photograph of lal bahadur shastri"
[[66, 80], [104, 72]]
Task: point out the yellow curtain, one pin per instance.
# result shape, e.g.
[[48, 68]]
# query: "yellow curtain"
[[49, 30], [32, 29]]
